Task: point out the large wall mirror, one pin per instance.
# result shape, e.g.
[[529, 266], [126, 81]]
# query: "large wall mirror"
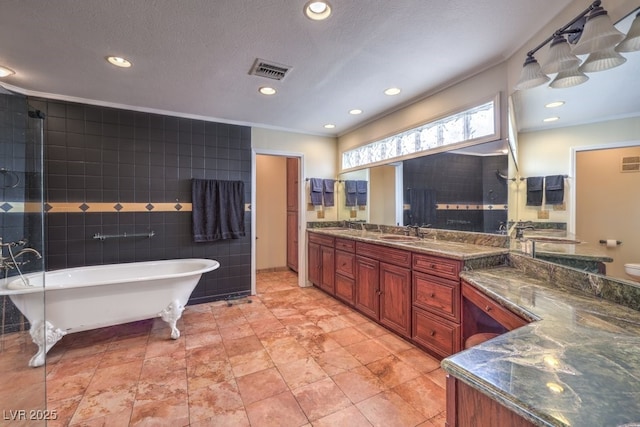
[[461, 189], [597, 128]]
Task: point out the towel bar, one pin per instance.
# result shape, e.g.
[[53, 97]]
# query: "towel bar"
[[99, 236]]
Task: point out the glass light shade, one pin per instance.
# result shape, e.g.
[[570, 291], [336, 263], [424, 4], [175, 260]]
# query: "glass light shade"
[[569, 78], [598, 33], [531, 75], [559, 57], [602, 60], [631, 43]]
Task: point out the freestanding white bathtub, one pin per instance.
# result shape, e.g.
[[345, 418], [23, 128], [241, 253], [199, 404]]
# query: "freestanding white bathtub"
[[78, 299]]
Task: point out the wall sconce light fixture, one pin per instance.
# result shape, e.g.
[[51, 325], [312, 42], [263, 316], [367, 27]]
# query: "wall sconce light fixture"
[[590, 33]]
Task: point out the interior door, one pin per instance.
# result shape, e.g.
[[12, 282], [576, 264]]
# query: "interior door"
[[607, 203]]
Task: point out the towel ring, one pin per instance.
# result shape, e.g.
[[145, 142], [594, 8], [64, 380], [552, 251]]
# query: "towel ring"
[[6, 172]]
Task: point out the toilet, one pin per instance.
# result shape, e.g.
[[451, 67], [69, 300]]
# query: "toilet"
[[633, 270]]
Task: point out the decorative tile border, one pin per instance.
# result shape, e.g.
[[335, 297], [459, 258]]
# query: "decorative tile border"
[[463, 207], [93, 207]]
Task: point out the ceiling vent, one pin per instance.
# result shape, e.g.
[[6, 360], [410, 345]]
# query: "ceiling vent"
[[630, 164], [270, 70]]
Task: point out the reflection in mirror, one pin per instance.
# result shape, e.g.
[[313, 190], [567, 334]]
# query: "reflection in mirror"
[[596, 119], [464, 189]]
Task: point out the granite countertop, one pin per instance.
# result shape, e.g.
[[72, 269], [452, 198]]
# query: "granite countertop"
[[576, 364], [429, 245], [560, 243]]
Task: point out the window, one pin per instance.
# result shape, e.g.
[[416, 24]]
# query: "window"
[[475, 123]]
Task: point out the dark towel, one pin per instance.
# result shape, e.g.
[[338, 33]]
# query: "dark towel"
[[361, 193], [327, 190], [315, 191], [350, 191], [534, 191], [217, 209], [554, 189], [423, 206]]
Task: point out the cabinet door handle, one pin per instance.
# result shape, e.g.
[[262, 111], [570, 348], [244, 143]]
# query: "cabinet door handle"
[[432, 294], [488, 308], [433, 266], [432, 333]]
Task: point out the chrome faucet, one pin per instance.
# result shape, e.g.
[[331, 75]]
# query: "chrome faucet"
[[10, 262], [28, 250], [415, 228], [520, 227]]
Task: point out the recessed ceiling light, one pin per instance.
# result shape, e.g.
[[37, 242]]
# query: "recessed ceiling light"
[[329, 126], [266, 90], [551, 119], [317, 10], [355, 111], [554, 104], [392, 91], [4, 71], [119, 61]]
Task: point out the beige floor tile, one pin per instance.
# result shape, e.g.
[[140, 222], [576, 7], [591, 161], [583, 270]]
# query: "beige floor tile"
[[321, 398], [359, 384], [423, 394], [349, 416], [368, 351], [293, 357], [277, 411], [301, 372], [387, 409], [261, 385], [392, 371]]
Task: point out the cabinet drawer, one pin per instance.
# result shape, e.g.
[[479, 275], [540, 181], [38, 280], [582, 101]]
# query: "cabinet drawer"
[[491, 308], [320, 239], [382, 253], [443, 267], [345, 289], [437, 295], [346, 264], [437, 335], [345, 245]]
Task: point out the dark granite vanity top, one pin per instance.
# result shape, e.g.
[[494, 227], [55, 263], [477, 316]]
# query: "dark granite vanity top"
[[431, 243], [576, 364]]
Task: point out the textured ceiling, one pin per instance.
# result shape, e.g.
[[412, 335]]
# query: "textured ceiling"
[[192, 57]]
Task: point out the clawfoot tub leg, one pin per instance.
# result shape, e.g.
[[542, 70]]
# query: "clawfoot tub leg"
[[171, 314], [44, 335]]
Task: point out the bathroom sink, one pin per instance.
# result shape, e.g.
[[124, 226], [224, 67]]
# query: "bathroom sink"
[[398, 238]]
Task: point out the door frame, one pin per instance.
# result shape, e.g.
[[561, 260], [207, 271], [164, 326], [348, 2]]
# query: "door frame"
[[571, 226], [302, 239]]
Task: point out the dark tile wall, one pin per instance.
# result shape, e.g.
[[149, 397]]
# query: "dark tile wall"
[[496, 192], [106, 155], [20, 183], [461, 179]]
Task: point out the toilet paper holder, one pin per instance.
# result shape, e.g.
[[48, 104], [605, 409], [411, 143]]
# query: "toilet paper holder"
[[604, 242]]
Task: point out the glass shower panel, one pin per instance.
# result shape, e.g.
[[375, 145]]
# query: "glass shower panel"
[[23, 396]]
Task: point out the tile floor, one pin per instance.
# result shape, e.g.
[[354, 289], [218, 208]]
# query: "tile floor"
[[293, 357]]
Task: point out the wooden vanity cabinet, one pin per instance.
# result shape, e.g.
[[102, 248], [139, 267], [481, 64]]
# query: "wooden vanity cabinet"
[[383, 286], [436, 304], [482, 314], [345, 283], [321, 262], [466, 406]]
